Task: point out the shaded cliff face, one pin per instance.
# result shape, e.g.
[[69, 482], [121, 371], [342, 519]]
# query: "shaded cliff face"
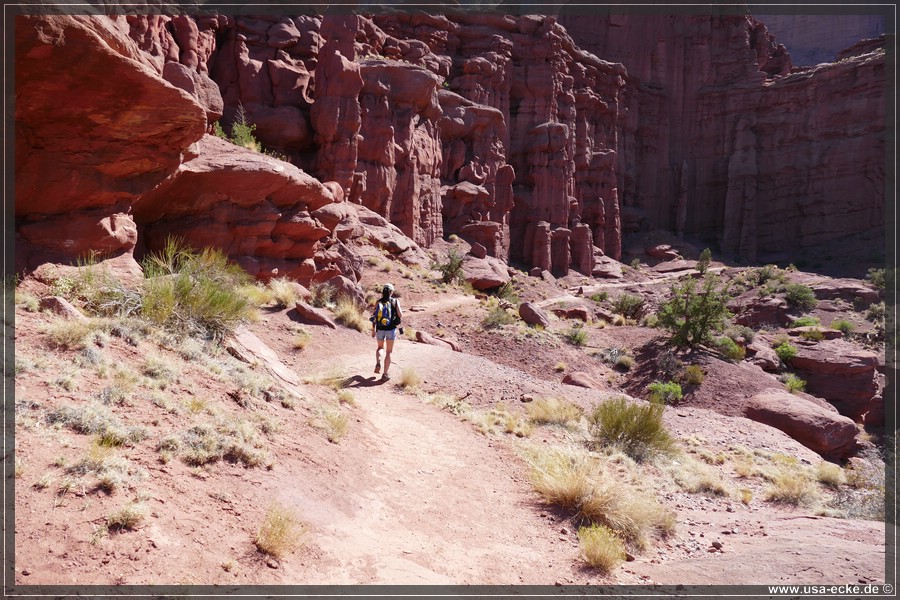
[[815, 38], [723, 141]]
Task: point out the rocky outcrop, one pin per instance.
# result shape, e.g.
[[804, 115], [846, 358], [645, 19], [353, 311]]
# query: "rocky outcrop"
[[82, 162], [843, 374], [817, 428], [533, 314]]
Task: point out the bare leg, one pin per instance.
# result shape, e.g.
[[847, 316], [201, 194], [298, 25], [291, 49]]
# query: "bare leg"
[[378, 357], [387, 356]]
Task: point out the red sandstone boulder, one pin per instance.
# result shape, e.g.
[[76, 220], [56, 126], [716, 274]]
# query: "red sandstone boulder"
[[315, 316], [62, 307], [581, 379], [752, 311], [581, 311], [485, 273], [663, 252], [343, 287], [532, 314], [827, 433], [607, 268], [840, 372], [763, 355], [247, 347], [672, 266], [426, 338]]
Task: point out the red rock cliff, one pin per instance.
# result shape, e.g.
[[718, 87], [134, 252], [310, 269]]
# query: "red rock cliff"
[[723, 141]]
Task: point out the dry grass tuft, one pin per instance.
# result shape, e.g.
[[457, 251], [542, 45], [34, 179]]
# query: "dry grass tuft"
[[830, 474], [279, 533], [127, 517], [554, 411], [409, 379], [336, 424], [601, 547], [791, 487], [348, 313]]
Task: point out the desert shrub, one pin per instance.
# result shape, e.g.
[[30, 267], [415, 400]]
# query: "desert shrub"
[[740, 332], [806, 322], [636, 429], [280, 531], [624, 362], [348, 313], [70, 334], [497, 317], [877, 278], [600, 296], [704, 260], [451, 268], [875, 312], [786, 352], [127, 517], [194, 292], [556, 411], [507, 292], [813, 335], [636, 264], [321, 295], [576, 335], [730, 349], [843, 325], [629, 306], [790, 487], [668, 364], [692, 315], [601, 547], [692, 375], [800, 296], [830, 474], [664, 393], [794, 383]]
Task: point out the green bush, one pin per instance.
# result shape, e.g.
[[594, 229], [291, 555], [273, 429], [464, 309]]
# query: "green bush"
[[800, 296], [451, 269], [194, 292], [738, 332], [786, 352], [576, 335], [806, 322], [704, 260], [693, 375], [877, 278], [600, 296], [629, 306], [497, 317], [876, 312], [691, 314], [636, 429], [730, 349], [794, 383], [843, 325], [665, 393]]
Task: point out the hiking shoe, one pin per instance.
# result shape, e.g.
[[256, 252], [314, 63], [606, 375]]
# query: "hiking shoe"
[[385, 377], [378, 367]]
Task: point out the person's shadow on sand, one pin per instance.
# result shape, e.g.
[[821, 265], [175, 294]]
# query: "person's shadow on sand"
[[360, 381]]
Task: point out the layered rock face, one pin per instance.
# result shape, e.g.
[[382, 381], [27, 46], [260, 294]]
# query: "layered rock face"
[[723, 141], [497, 128], [96, 127]]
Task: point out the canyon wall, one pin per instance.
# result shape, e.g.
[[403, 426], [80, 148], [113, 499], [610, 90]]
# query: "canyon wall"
[[724, 141], [540, 138], [818, 38]]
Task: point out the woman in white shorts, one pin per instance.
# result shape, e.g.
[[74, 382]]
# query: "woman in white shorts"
[[384, 327]]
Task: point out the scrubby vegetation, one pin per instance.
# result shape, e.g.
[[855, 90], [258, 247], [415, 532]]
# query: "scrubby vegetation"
[[692, 315]]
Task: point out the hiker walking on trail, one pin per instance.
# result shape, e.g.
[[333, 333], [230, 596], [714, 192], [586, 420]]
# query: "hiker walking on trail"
[[384, 327]]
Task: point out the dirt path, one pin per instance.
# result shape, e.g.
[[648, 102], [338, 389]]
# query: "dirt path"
[[426, 500]]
